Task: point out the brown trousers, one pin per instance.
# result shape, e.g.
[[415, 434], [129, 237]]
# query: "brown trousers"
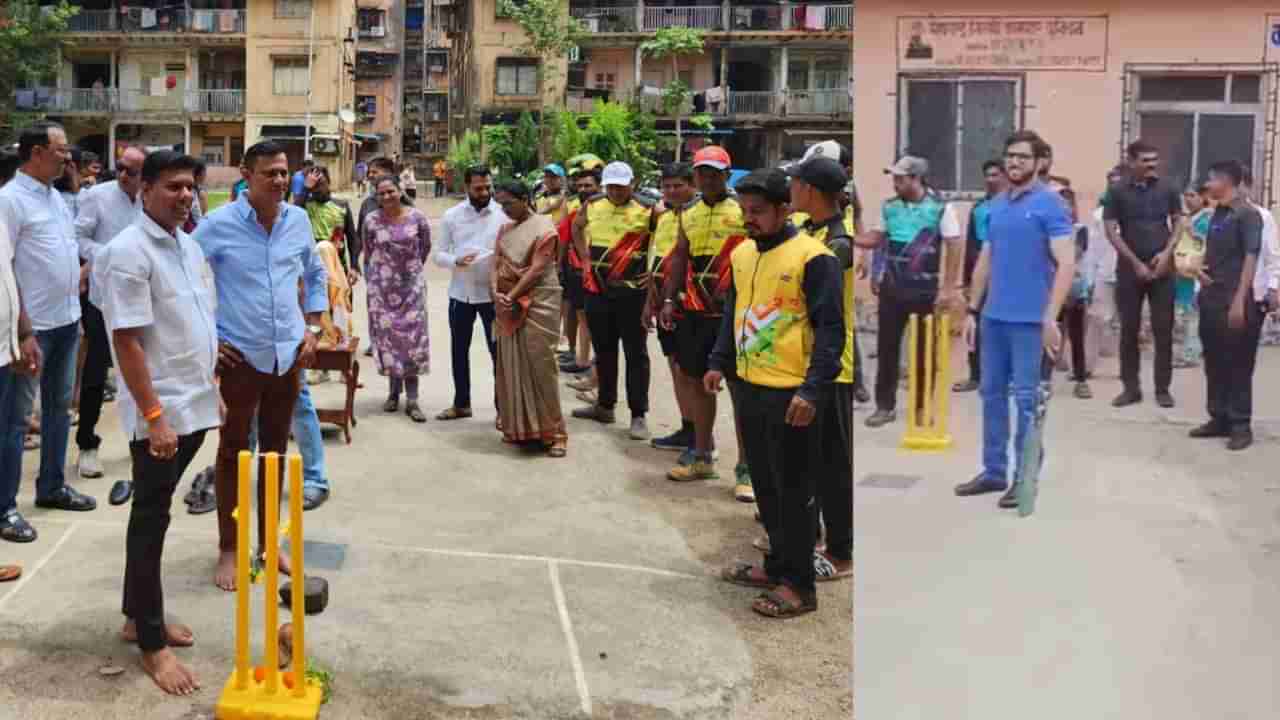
[[247, 392]]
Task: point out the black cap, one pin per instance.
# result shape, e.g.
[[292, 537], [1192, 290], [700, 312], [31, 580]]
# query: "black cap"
[[767, 182], [824, 173]]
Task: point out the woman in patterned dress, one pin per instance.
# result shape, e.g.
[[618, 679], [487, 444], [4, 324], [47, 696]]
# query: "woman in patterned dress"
[[396, 242]]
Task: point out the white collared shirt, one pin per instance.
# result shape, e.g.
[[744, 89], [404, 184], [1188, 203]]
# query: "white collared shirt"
[[46, 259], [464, 231], [1268, 274], [1100, 258], [105, 211], [9, 307], [149, 279]]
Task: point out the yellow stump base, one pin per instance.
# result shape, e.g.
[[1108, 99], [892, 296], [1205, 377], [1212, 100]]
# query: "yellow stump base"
[[254, 703], [927, 443]]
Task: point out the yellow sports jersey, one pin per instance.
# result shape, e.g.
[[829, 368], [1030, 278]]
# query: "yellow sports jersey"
[[772, 333], [618, 236], [714, 232], [799, 219], [546, 201]]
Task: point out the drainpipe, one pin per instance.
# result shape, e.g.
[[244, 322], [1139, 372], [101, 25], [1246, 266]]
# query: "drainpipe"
[[311, 59]]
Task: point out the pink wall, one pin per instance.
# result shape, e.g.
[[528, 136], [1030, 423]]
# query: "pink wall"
[[1079, 113]]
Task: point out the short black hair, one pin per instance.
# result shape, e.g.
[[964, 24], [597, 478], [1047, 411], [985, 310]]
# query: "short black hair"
[[1039, 148], [770, 184], [475, 171], [323, 170], [679, 170], [514, 188], [265, 149], [1231, 169], [392, 178], [33, 136], [8, 165], [89, 157], [383, 163], [308, 162], [993, 163], [1140, 147], [1246, 174], [77, 155], [163, 161], [596, 173]]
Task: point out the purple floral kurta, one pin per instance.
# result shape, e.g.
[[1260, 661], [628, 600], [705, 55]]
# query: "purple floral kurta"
[[397, 253]]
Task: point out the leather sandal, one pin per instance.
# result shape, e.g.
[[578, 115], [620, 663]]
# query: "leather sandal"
[[15, 528], [9, 573]]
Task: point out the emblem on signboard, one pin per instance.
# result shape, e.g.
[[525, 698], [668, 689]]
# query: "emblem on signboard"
[[917, 49]]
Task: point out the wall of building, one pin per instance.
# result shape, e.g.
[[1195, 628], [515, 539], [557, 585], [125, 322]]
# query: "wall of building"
[[1079, 111], [272, 36], [494, 38]]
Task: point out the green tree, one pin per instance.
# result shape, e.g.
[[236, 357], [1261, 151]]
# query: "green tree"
[[463, 154], [512, 150], [568, 138], [29, 46], [624, 132], [551, 34], [672, 44]]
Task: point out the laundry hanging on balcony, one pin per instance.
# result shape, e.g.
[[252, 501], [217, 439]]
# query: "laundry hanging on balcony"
[[815, 17], [147, 18]]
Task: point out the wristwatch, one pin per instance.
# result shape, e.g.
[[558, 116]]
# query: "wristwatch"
[[316, 330]]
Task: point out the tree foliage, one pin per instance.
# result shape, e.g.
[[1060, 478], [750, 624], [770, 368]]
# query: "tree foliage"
[[29, 45], [624, 132], [463, 154], [512, 150], [672, 44]]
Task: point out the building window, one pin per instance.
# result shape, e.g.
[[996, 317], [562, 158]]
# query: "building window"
[[1197, 119], [293, 8], [372, 23], [289, 76], [605, 81], [367, 105], [517, 76], [958, 123], [212, 155]]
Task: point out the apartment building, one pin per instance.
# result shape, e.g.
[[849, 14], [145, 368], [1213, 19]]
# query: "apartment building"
[[162, 74], [426, 86], [379, 76]]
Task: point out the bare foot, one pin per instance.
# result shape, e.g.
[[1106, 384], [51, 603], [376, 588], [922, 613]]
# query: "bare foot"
[[224, 575], [176, 634], [170, 675], [286, 565]]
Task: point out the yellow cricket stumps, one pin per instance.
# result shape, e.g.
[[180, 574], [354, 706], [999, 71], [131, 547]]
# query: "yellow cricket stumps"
[[245, 697], [928, 390]]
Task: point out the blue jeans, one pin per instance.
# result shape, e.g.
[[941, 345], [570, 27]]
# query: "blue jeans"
[[1011, 352], [13, 429], [306, 433], [56, 383]]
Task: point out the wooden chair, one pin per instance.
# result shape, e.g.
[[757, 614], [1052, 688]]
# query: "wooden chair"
[[344, 360]]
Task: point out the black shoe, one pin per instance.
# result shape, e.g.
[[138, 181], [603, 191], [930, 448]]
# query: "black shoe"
[[566, 357], [67, 499], [967, 386], [368, 352], [313, 497], [120, 492], [1210, 429], [573, 368], [861, 395], [880, 418], [595, 412], [1164, 399], [1009, 500], [1240, 439], [980, 485], [1127, 398], [679, 441]]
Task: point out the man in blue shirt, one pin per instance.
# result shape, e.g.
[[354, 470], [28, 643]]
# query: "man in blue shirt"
[[299, 179], [261, 252], [1024, 273], [994, 178]]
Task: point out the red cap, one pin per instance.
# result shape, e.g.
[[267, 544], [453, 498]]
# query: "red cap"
[[712, 156]]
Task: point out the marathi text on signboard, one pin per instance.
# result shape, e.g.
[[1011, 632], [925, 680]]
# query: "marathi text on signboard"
[[1002, 43]]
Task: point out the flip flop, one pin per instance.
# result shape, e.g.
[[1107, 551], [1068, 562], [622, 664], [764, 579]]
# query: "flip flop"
[[825, 569], [9, 573], [774, 605], [740, 574]]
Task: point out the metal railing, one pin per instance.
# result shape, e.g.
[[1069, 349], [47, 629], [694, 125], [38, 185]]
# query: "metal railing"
[[216, 102], [704, 17], [617, 18], [839, 17], [136, 100], [88, 21], [762, 102], [65, 100], [218, 21], [171, 19], [818, 102]]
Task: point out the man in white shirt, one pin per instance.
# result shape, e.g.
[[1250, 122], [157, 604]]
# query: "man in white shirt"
[[105, 211], [1266, 283], [48, 272], [19, 359], [467, 234], [1099, 267], [156, 295]]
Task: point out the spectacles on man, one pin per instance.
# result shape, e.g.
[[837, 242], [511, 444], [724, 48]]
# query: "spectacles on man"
[[126, 170], [1019, 156]]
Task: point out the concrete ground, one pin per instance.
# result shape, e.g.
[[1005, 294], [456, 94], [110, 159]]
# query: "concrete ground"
[[467, 581], [1145, 585]]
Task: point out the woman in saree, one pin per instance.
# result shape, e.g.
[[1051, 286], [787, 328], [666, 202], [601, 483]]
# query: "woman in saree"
[[526, 292], [396, 243]]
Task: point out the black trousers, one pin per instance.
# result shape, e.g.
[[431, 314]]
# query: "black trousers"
[[154, 481], [462, 324], [1229, 360], [1158, 294], [858, 377], [836, 493], [613, 320], [1073, 317], [894, 315], [93, 383], [786, 464]]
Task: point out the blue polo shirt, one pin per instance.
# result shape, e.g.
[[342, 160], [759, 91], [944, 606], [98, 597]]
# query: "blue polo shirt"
[[1022, 266]]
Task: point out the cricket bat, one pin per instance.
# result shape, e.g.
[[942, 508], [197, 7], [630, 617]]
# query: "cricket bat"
[[1033, 452]]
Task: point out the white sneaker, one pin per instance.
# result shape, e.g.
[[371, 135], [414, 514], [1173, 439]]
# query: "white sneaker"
[[639, 429], [90, 467]]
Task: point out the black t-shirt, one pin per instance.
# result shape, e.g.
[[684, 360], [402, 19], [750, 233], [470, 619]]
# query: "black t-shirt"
[[1145, 212], [1235, 232]]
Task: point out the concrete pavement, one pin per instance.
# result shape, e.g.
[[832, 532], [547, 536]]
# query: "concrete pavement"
[[467, 580], [1145, 586]]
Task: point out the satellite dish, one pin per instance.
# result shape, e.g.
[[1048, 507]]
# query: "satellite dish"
[[346, 115]]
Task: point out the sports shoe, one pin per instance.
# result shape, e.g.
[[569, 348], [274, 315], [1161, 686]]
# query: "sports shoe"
[[90, 466], [700, 469], [742, 490], [678, 441], [639, 429]]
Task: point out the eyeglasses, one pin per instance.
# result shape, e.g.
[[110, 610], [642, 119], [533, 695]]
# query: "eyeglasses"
[[126, 170], [1019, 156]]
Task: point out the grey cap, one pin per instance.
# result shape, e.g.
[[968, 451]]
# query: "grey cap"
[[909, 165]]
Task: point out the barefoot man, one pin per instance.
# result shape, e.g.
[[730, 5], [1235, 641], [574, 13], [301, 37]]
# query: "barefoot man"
[[157, 302], [260, 249]]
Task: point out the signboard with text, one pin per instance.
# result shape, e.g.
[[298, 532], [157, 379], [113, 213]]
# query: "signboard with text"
[[999, 43]]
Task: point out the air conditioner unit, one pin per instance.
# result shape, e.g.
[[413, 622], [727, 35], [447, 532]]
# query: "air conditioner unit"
[[592, 24], [324, 145]]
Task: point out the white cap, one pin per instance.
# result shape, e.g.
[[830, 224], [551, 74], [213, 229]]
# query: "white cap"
[[617, 173], [826, 148]]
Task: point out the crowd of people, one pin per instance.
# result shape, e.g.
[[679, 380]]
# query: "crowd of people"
[[212, 320], [1203, 260]]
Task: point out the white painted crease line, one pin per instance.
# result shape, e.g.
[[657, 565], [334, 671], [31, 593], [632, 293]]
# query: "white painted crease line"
[[35, 569], [448, 552], [579, 675]]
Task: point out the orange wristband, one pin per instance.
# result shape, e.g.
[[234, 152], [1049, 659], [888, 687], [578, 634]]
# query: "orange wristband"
[[154, 414]]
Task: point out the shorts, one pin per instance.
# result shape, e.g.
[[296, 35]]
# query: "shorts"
[[667, 339], [574, 293], [695, 339]]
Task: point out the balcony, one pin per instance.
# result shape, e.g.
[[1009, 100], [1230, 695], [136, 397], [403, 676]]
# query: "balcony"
[[104, 101], [218, 21], [215, 102], [752, 103], [376, 32], [165, 20], [66, 101], [704, 18], [818, 102], [726, 16], [606, 19]]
